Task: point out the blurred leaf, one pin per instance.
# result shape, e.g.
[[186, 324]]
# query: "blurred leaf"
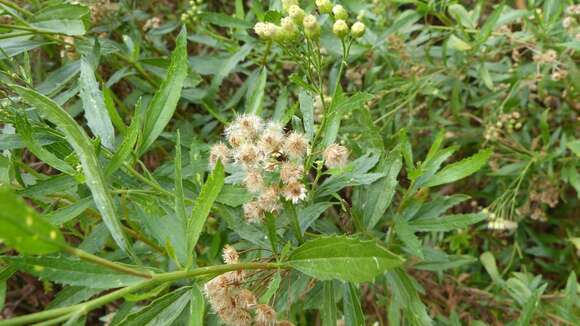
[[328, 314], [163, 311], [22, 229], [196, 306], [224, 20], [488, 261], [530, 307], [226, 68], [68, 19], [329, 258], [460, 169], [461, 15], [272, 289], [164, 102], [458, 44], [353, 313], [447, 222], [307, 109], [255, 101]]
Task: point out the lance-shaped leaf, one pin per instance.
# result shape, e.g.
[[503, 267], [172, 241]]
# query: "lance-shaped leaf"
[[460, 169], [21, 228], [162, 311], [165, 100], [343, 258], [82, 146]]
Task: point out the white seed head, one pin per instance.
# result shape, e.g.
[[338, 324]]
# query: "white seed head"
[[339, 12], [246, 299], [268, 200], [294, 192], [265, 315], [296, 145], [335, 156], [340, 28], [271, 139], [247, 155], [291, 172], [254, 181], [252, 212], [219, 152], [357, 29], [230, 255]]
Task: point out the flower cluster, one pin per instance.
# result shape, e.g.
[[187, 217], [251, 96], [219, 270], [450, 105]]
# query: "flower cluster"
[[271, 161], [571, 22], [234, 304], [298, 20], [194, 11], [498, 223], [507, 121], [152, 23]]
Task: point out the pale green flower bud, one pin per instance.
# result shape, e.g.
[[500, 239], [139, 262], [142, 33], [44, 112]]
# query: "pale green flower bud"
[[340, 28], [339, 12], [357, 29], [286, 4], [311, 26], [324, 6], [288, 28], [266, 31], [296, 13]]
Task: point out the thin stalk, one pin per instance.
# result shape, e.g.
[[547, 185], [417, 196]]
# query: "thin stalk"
[[16, 7], [83, 308], [106, 263]]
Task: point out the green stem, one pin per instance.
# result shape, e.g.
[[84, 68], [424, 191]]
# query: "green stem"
[[16, 7], [85, 307], [106, 263]]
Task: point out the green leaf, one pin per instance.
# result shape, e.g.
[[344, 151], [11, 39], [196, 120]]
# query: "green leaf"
[[352, 175], [25, 132], [333, 257], [72, 271], [179, 204], [68, 213], [460, 169], [255, 101], [163, 311], [455, 42], [407, 235], [96, 112], [530, 307], [196, 306], [328, 312], [405, 294], [224, 20], [65, 19], [272, 289], [164, 102], [307, 108], [461, 15], [353, 313], [488, 261], [22, 229], [226, 68], [81, 144], [446, 223], [202, 206]]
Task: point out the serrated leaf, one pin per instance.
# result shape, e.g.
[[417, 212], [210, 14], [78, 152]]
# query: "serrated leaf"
[[22, 229], [164, 102], [96, 112], [329, 258], [72, 271], [81, 144], [202, 206], [446, 223], [460, 169]]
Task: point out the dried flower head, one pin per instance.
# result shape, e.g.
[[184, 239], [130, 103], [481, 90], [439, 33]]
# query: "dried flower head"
[[254, 181], [268, 200], [291, 172], [294, 192], [237, 317], [271, 139], [218, 152], [335, 156], [253, 212], [249, 124], [230, 255], [296, 145], [284, 323], [265, 315], [246, 299]]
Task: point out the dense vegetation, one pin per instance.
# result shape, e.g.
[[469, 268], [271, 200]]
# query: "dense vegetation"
[[289, 162]]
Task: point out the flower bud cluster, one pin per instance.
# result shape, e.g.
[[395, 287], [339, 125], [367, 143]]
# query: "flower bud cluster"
[[571, 21], [498, 223], [271, 160], [235, 305], [507, 122], [340, 27], [194, 11]]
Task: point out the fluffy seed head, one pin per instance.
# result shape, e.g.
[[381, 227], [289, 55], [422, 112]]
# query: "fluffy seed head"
[[230, 255], [252, 212], [296, 145], [249, 124], [324, 6], [235, 136], [236, 317], [357, 29], [265, 314], [246, 299], [311, 26], [247, 155], [271, 139], [254, 181], [339, 12], [340, 28], [218, 152], [268, 200], [291, 172], [294, 192], [335, 156]]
